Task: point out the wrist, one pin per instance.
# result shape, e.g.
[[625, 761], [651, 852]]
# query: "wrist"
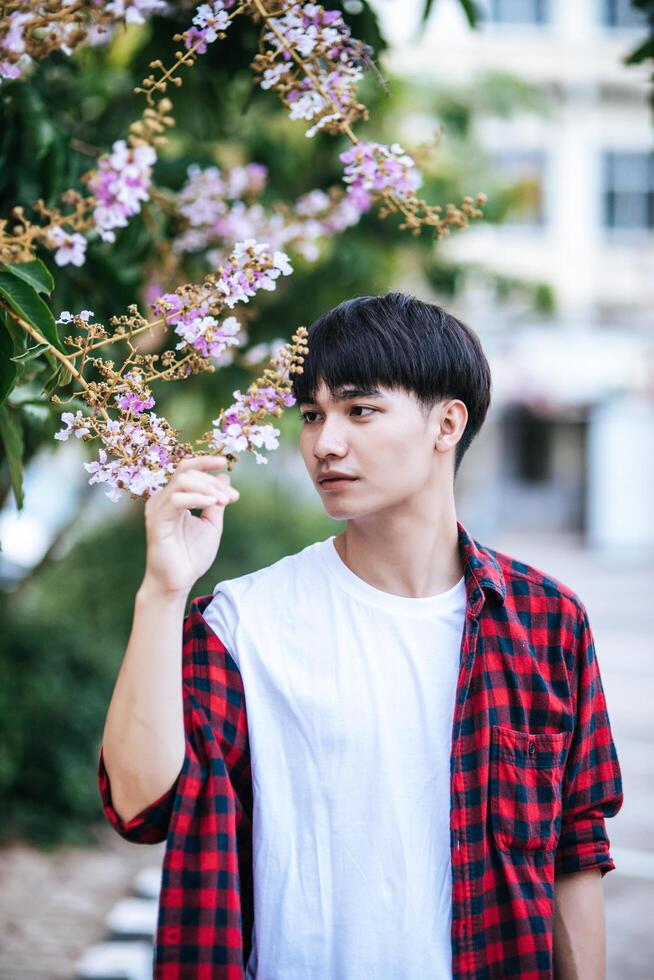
[[152, 591]]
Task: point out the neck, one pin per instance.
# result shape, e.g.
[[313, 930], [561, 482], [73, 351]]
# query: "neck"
[[400, 555]]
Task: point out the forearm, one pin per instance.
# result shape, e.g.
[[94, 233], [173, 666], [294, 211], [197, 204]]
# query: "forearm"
[[143, 742], [579, 930]]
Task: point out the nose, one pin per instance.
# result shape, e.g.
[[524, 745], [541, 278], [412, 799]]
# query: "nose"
[[330, 441]]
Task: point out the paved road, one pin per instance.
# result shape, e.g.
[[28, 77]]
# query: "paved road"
[[619, 596]]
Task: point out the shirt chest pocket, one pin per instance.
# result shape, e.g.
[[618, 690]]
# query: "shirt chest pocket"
[[525, 790]]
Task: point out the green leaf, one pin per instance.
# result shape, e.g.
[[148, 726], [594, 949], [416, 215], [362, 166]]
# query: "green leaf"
[[26, 302], [471, 11], [641, 53], [35, 273], [54, 381], [31, 352], [8, 371], [11, 434], [426, 10], [18, 336]]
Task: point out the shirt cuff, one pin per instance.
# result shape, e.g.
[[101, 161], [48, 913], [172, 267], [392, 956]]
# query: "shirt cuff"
[[150, 826], [584, 844]]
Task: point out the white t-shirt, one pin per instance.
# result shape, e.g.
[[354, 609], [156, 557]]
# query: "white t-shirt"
[[349, 694]]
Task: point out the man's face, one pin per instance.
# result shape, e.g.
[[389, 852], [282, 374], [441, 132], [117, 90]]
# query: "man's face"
[[381, 440]]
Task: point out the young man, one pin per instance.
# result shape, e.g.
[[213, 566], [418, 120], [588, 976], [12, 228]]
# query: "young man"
[[390, 756]]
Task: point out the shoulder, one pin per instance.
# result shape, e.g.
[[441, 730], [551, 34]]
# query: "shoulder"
[[271, 578], [529, 587], [258, 596]]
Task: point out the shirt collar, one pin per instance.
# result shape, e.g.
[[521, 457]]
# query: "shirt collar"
[[481, 570]]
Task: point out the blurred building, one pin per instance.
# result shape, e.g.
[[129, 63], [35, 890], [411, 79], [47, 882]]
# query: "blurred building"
[[572, 428]]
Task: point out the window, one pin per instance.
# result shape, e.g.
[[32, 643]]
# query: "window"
[[629, 190], [521, 174], [621, 13], [531, 443], [515, 11]]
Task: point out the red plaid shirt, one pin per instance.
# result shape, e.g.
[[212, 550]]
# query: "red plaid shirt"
[[534, 774]]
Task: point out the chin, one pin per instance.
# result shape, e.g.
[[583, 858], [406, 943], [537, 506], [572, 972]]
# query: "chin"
[[339, 515]]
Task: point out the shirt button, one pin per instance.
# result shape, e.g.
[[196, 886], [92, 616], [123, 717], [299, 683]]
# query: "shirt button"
[[532, 748]]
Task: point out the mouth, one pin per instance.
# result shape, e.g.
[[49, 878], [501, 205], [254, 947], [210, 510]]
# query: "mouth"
[[337, 483]]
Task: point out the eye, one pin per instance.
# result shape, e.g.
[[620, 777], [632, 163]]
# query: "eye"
[[364, 408]]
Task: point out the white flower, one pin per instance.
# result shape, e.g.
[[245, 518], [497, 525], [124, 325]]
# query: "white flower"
[[264, 435], [69, 419], [272, 75], [67, 317], [282, 262]]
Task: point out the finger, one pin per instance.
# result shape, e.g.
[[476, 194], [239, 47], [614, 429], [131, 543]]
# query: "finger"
[[201, 482], [201, 462], [213, 515], [214, 512], [181, 500]]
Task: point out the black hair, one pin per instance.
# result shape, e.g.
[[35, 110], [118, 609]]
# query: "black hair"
[[398, 341]]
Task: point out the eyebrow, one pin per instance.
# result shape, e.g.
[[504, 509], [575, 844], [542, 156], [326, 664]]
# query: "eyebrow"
[[344, 394]]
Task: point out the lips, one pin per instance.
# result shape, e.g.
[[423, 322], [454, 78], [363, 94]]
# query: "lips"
[[335, 481]]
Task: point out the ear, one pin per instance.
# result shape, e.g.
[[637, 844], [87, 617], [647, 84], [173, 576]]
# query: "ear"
[[451, 420]]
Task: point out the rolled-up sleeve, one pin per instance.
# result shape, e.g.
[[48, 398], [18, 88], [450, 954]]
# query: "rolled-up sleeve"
[[592, 783], [150, 826]]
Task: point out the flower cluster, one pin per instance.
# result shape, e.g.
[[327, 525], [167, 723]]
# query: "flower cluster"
[[373, 167], [210, 202], [196, 327], [120, 184], [193, 311], [145, 454], [133, 396], [29, 31], [204, 198], [139, 449], [237, 428], [309, 55], [210, 22]]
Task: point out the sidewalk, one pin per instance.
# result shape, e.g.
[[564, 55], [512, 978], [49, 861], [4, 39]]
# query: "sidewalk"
[[53, 905]]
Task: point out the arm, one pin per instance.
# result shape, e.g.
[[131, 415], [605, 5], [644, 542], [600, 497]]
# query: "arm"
[[144, 741], [592, 782], [579, 932]]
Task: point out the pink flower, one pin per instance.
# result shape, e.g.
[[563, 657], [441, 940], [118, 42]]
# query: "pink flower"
[[209, 20], [120, 184], [71, 247], [373, 167]]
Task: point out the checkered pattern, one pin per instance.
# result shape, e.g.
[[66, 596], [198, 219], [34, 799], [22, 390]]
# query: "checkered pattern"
[[534, 774]]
